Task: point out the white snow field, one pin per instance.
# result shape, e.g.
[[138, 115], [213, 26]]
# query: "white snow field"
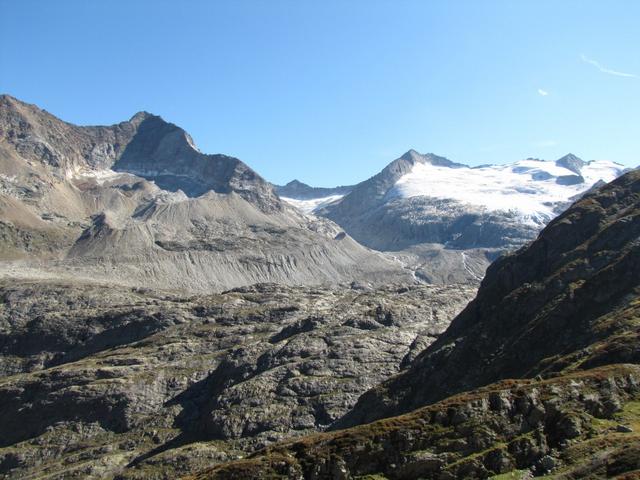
[[528, 187]]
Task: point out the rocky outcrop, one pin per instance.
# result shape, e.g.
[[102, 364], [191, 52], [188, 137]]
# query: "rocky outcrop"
[[421, 220], [165, 153], [571, 162], [98, 381]]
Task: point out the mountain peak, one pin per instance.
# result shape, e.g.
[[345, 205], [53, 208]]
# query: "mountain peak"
[[297, 183], [570, 156], [12, 104], [571, 162], [6, 98], [141, 116], [412, 156]]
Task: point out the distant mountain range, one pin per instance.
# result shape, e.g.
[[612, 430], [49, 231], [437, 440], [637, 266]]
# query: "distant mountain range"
[[137, 202], [447, 221], [301, 191], [309, 199], [430, 199]]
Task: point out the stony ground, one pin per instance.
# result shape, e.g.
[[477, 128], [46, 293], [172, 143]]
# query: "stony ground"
[[101, 381]]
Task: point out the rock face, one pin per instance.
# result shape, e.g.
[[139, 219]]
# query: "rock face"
[[137, 202], [98, 381], [35, 142], [562, 317], [165, 153]]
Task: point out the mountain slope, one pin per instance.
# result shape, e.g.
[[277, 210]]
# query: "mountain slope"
[[145, 146], [580, 425], [137, 202], [428, 199], [562, 316], [567, 301], [372, 192]]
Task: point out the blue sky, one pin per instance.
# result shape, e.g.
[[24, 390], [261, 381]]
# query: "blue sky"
[[330, 92]]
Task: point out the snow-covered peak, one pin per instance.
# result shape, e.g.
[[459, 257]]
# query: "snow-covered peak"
[[416, 157], [530, 188]]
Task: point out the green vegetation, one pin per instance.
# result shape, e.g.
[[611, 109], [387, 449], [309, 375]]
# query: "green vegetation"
[[513, 475]]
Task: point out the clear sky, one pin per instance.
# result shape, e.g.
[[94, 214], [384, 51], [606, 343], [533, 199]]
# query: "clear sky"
[[331, 91]]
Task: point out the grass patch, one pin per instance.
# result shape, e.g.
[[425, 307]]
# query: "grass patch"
[[513, 475]]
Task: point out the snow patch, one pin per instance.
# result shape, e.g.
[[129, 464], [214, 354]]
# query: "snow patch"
[[100, 176], [309, 206]]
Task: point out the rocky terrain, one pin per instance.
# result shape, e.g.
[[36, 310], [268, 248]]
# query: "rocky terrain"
[[100, 381], [581, 425], [166, 313], [538, 375], [136, 203]]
